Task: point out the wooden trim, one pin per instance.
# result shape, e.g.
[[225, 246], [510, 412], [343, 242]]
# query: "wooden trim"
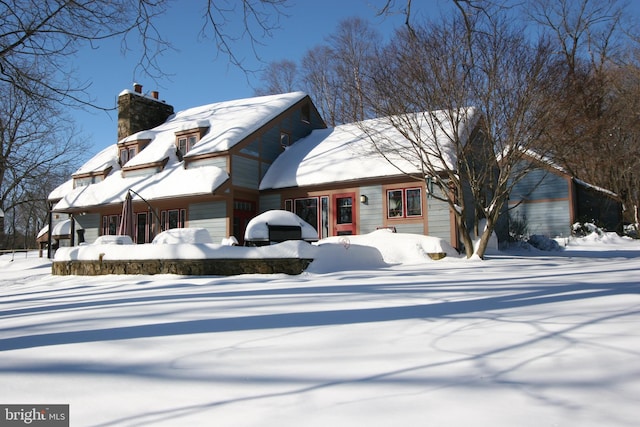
[[199, 131], [136, 142], [159, 164], [92, 174], [573, 200]]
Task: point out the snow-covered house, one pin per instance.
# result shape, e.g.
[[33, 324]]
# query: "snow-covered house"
[[549, 200], [200, 167], [336, 180], [219, 165]]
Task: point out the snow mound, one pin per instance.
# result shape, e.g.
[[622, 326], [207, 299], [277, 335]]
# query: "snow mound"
[[183, 235], [603, 238], [258, 227], [378, 249], [113, 240]]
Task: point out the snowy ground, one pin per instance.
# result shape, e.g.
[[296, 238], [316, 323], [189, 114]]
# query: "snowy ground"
[[520, 339]]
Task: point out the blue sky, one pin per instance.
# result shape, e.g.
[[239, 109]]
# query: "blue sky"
[[195, 75]]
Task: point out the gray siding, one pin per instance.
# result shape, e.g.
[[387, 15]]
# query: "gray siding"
[[269, 202], [212, 216], [545, 218], [415, 228], [371, 213], [271, 147], [439, 219], [91, 224], [245, 172], [540, 185]]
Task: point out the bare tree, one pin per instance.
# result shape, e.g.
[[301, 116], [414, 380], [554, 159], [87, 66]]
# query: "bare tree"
[[592, 133], [39, 40], [337, 74], [322, 82], [37, 150], [354, 45], [37, 44], [34, 38], [461, 66], [279, 77], [260, 18]]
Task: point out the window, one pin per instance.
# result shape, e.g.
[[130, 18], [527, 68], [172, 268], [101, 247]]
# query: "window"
[[127, 153], [307, 209], [324, 226], [404, 203], [394, 204], [186, 143], [129, 149], [174, 218], [414, 201], [110, 225], [284, 139], [345, 210], [142, 228]]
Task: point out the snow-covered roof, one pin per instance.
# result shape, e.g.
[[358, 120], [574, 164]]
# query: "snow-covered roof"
[[346, 152], [64, 228], [61, 190], [228, 123], [101, 162], [173, 181]]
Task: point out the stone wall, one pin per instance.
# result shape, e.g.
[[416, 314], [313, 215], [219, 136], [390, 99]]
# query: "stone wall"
[[197, 267]]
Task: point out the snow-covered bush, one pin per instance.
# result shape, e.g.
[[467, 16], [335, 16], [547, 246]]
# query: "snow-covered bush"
[[582, 229], [518, 228]]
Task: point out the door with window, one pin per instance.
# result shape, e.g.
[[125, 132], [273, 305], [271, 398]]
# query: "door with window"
[[243, 212], [344, 215]]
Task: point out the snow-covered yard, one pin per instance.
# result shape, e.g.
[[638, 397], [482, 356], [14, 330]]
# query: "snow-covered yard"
[[379, 336]]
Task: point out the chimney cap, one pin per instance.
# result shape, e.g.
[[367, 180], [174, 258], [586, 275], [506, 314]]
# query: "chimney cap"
[[137, 87]]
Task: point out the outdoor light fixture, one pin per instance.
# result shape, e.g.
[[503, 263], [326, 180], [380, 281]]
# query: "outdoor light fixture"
[[363, 199]]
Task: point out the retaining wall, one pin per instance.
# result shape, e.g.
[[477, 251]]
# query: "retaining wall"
[[197, 267]]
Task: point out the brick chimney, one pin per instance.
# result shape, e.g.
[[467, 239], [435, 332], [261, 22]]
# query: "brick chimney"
[[138, 112]]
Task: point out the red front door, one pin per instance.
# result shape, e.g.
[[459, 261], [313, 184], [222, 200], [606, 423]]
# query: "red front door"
[[243, 212], [344, 214]]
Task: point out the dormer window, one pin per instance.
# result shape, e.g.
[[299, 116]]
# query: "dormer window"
[[187, 139], [127, 153], [186, 143], [129, 149]]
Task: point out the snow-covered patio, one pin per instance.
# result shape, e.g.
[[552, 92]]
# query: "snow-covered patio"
[[520, 339]]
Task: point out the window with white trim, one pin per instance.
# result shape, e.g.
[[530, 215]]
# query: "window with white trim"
[[186, 143]]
